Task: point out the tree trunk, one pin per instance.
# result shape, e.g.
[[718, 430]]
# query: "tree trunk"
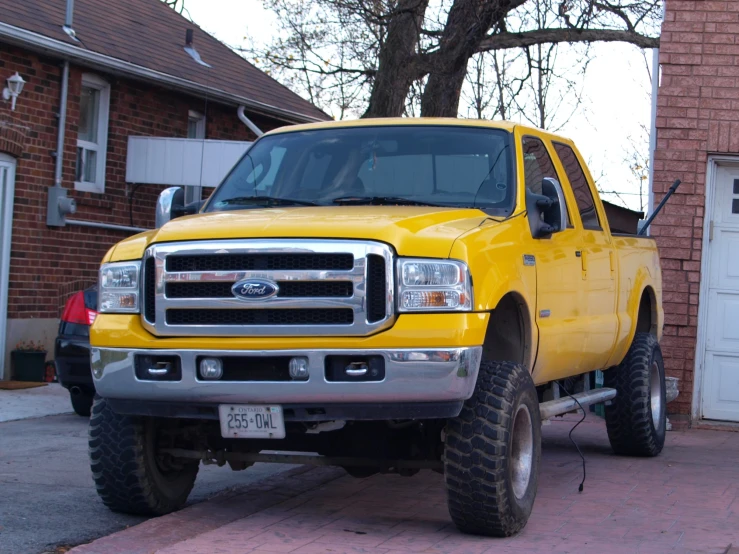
[[397, 64], [467, 25]]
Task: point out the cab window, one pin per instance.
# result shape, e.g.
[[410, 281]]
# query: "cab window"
[[580, 186], [538, 165]]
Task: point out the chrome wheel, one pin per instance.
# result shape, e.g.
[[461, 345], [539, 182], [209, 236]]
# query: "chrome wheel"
[[655, 395], [522, 451]]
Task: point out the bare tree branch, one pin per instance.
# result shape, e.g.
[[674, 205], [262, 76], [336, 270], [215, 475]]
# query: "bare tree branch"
[[505, 41]]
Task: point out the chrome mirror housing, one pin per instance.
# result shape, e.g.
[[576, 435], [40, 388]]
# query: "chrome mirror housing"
[[169, 205]]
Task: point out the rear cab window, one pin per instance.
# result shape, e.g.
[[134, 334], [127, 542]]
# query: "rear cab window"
[[580, 187]]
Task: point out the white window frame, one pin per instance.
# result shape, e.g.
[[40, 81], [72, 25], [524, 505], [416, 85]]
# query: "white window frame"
[[199, 118], [103, 87], [195, 193]]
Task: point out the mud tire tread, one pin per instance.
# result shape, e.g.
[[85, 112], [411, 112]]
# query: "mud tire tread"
[[124, 472], [631, 430], [477, 442]]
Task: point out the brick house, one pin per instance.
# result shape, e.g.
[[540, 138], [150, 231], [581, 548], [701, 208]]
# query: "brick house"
[[129, 74], [697, 133]]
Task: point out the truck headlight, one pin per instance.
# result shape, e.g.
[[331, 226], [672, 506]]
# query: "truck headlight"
[[119, 287], [431, 285]]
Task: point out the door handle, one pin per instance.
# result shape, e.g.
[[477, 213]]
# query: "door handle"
[[583, 262], [612, 256]]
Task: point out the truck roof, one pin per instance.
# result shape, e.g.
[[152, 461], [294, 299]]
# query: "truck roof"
[[389, 121]]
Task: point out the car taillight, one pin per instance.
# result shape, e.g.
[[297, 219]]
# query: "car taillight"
[[75, 311]]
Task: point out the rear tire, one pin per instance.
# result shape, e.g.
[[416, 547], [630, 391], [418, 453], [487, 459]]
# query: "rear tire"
[[128, 476], [636, 418], [492, 453], [81, 403]]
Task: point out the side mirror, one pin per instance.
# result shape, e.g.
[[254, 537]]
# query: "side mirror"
[[547, 211], [170, 204]]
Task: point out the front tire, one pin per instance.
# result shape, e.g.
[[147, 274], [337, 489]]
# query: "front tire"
[[636, 418], [128, 475], [492, 453]]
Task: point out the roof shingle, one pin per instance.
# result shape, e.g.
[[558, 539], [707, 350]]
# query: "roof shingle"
[[149, 34]]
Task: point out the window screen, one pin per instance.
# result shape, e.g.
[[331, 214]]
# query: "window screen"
[[580, 187]]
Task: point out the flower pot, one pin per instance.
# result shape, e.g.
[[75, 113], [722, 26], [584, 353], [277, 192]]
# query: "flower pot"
[[28, 365]]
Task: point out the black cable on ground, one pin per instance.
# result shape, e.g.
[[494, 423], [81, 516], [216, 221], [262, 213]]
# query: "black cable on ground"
[[584, 474]]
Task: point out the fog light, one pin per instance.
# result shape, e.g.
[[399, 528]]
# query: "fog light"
[[299, 369], [211, 368]]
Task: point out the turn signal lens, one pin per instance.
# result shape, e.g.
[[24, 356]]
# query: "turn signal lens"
[[431, 299]]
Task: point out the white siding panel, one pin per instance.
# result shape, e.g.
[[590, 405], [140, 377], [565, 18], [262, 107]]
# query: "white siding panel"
[[181, 162]]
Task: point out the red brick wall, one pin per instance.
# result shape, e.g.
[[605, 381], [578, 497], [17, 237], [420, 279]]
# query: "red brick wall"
[[46, 261], [697, 114]]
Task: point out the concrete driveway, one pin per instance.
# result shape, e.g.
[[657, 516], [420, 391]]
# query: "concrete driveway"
[[686, 500], [47, 497]]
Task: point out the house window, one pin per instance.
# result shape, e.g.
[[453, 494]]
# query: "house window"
[[195, 125], [195, 130], [92, 134]]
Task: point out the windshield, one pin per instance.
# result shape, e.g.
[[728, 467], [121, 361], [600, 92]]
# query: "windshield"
[[416, 165]]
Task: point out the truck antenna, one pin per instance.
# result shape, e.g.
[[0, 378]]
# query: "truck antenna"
[[649, 220]]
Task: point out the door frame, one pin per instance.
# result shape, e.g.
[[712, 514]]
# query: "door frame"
[[7, 223], [714, 162]]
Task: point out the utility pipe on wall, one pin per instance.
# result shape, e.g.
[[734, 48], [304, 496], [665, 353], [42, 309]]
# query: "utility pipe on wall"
[[111, 226], [62, 125]]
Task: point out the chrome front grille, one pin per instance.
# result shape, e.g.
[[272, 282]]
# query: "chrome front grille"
[[325, 287]]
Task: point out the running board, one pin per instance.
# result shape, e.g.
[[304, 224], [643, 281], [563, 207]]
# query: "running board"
[[560, 406]]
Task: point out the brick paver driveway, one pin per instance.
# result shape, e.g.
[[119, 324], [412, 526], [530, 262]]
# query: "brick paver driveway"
[[686, 500]]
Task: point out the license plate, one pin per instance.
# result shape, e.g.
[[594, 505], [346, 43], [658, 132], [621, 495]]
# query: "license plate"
[[246, 421]]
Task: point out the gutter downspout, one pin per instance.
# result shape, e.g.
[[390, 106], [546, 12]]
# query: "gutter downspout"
[[653, 127], [248, 122]]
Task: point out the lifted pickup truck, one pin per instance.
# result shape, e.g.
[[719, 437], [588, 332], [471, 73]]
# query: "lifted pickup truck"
[[392, 295]]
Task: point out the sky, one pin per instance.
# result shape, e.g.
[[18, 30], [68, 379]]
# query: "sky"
[[616, 101]]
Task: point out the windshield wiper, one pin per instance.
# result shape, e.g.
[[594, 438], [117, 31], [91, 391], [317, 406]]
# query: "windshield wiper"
[[383, 201], [267, 201]]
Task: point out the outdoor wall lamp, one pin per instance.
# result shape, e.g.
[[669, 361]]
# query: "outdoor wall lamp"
[[13, 90]]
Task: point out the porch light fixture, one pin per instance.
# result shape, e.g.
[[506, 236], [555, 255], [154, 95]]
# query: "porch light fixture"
[[13, 90]]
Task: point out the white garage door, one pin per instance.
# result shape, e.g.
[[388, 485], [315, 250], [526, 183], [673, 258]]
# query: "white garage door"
[[721, 362]]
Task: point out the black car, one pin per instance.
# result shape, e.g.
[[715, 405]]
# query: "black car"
[[72, 349]]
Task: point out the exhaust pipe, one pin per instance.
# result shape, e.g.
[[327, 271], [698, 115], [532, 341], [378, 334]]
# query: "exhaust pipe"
[[75, 390]]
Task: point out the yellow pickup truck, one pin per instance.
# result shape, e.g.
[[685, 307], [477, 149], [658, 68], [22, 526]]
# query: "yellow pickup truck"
[[383, 295]]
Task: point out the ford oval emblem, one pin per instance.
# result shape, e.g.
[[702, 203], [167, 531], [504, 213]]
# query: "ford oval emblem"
[[254, 289]]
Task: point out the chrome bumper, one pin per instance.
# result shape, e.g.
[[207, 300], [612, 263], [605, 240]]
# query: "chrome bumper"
[[411, 375]]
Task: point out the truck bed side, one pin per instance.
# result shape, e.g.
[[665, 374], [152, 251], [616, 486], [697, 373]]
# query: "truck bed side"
[[640, 291]]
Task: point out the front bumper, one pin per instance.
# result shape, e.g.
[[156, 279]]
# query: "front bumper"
[[445, 375]]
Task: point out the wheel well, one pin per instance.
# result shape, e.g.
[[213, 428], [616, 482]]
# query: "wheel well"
[[647, 318], [508, 336]]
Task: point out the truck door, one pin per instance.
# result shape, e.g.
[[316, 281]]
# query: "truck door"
[[598, 266], [559, 286]]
